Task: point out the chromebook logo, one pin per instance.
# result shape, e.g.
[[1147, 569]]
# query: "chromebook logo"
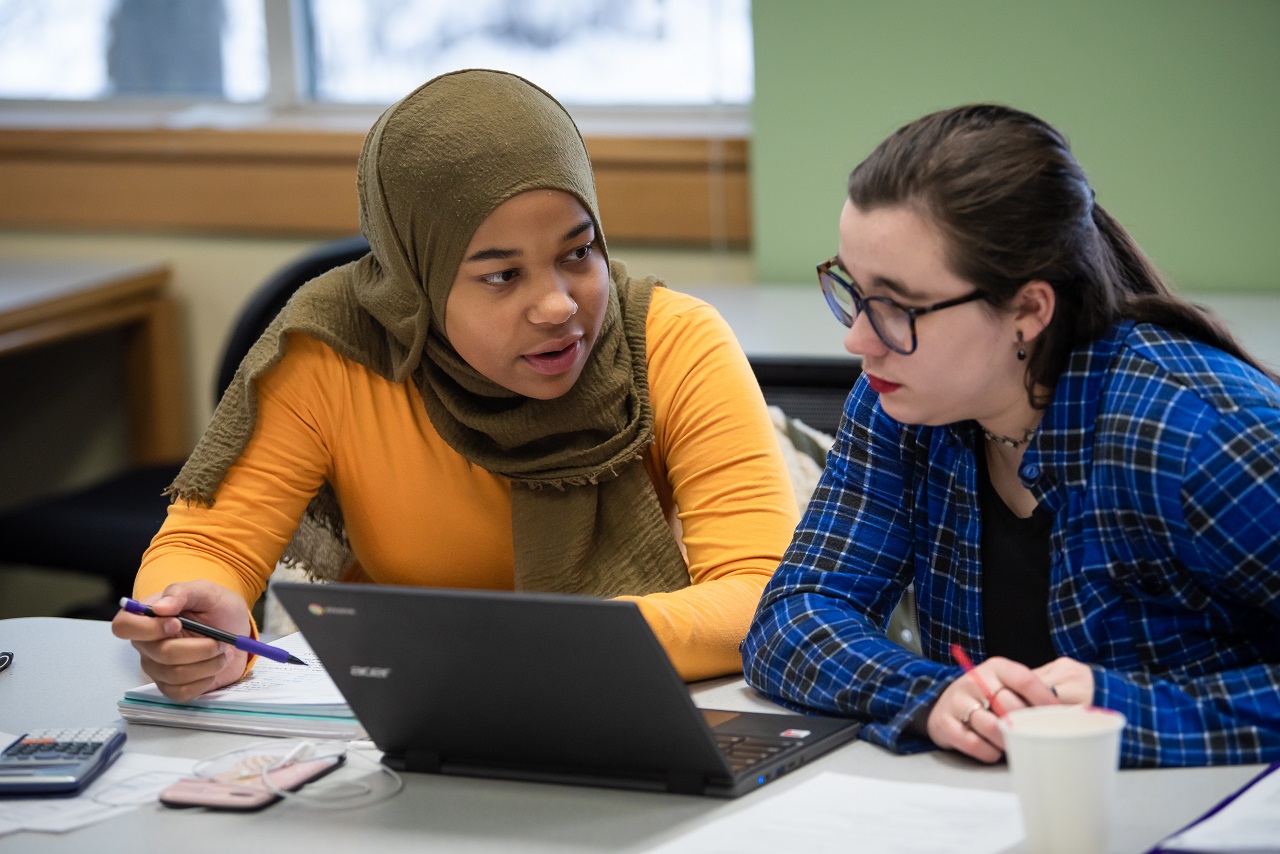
[[333, 611]]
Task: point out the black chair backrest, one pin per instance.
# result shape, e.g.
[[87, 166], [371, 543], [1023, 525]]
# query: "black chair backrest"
[[271, 296], [811, 389]]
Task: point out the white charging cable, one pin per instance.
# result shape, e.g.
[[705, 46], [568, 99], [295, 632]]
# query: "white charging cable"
[[254, 763]]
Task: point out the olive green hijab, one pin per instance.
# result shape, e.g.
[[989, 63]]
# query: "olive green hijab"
[[585, 517]]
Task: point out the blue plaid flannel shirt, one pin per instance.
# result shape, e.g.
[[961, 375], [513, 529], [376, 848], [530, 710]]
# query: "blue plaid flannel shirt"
[[1160, 460]]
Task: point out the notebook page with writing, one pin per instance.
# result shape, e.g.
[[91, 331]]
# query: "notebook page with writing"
[[270, 686]]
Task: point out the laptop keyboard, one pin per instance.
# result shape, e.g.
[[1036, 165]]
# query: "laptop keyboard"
[[744, 751]]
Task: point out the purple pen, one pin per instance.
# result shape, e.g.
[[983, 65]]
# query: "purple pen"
[[241, 642]]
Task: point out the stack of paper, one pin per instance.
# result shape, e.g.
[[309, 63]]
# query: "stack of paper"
[[274, 699]]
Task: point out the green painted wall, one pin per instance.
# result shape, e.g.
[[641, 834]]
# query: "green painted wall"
[[1172, 106]]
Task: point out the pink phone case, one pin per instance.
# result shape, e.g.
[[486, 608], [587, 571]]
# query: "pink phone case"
[[249, 794]]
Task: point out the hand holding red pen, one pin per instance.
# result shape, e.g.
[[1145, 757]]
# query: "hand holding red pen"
[[962, 658], [966, 717]]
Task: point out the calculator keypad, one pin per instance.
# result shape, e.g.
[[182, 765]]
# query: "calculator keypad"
[[59, 745]]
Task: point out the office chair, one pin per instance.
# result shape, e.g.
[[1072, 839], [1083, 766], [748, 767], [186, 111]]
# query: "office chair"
[[103, 529], [810, 389]]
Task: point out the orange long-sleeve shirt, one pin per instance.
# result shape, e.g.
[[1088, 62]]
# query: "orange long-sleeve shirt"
[[418, 513]]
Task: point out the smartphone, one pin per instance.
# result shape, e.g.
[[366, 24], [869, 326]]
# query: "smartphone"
[[248, 794], [58, 761]]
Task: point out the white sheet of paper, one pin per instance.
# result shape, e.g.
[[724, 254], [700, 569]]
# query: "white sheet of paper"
[[840, 813], [132, 780], [1249, 823]]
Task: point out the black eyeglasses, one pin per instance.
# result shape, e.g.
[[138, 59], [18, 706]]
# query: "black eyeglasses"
[[895, 324]]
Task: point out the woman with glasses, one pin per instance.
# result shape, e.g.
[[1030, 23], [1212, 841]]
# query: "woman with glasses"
[[483, 401], [1078, 471]]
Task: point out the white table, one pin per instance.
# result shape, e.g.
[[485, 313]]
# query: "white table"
[[71, 672]]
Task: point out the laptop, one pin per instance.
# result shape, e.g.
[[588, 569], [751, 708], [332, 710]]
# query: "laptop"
[[533, 686]]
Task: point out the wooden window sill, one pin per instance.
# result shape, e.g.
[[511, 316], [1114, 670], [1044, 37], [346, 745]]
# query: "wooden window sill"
[[665, 191]]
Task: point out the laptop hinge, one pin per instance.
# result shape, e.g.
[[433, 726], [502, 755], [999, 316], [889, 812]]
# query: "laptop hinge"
[[423, 761], [685, 783]]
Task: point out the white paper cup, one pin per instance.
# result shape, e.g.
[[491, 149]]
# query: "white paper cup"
[[1064, 761]]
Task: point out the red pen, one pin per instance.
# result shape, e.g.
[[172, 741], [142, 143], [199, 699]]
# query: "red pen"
[[962, 658]]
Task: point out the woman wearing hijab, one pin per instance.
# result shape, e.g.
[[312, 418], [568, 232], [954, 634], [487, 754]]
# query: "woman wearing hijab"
[[1079, 472], [483, 401]]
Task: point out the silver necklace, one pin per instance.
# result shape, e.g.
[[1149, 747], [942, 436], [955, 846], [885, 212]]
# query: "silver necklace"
[[1008, 441]]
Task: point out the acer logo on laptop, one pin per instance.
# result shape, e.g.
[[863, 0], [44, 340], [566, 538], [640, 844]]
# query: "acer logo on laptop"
[[365, 672]]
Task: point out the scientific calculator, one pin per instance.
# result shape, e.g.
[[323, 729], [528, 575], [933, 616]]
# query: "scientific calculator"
[[57, 761]]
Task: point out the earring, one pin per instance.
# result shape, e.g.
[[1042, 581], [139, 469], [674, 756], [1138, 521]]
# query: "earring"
[[1022, 349]]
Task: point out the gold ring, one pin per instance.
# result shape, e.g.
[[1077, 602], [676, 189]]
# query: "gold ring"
[[982, 706]]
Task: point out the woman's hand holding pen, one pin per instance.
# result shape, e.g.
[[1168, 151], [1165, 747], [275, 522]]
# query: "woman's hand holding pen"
[[185, 666], [966, 716]]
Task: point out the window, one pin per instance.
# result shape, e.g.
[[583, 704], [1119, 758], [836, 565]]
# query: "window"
[[615, 53], [88, 50], [586, 52]]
